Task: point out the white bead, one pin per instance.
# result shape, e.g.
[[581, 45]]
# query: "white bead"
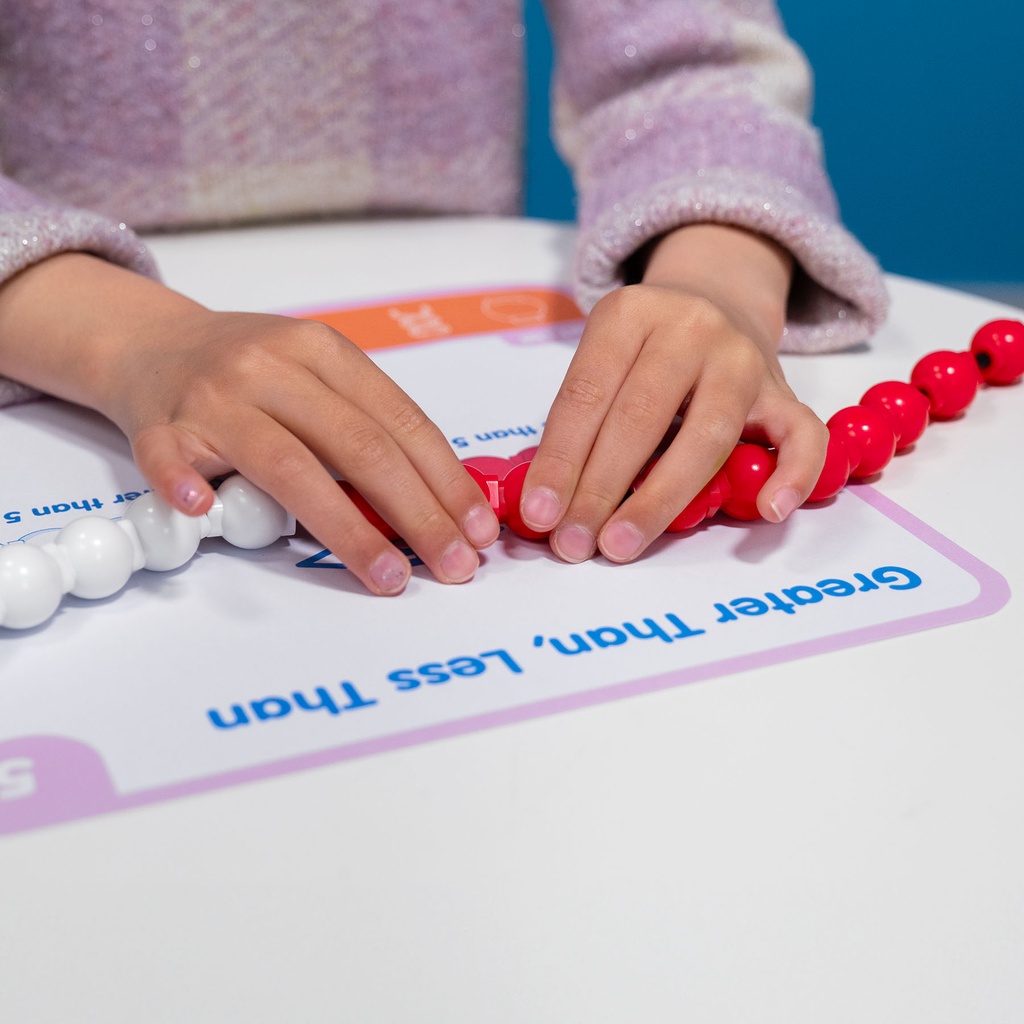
[[249, 517], [101, 556], [31, 586], [169, 538]]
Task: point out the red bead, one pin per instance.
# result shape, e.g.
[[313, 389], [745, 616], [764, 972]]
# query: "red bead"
[[747, 469], [869, 438], [526, 455], [491, 486], [489, 465], [949, 379], [693, 515], [704, 504], [905, 406], [836, 471], [998, 349], [512, 492], [369, 512]]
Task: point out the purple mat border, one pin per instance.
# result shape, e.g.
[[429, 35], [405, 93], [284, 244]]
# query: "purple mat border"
[[993, 595]]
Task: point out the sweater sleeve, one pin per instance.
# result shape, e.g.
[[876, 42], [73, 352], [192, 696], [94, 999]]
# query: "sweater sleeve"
[[674, 112], [32, 229]]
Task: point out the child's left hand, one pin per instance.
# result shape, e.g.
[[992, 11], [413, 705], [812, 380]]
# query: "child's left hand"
[[697, 338]]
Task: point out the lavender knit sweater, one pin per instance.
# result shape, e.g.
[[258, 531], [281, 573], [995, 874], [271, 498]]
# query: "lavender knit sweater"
[[182, 113]]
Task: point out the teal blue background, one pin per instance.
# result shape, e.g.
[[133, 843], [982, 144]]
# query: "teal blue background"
[[921, 106]]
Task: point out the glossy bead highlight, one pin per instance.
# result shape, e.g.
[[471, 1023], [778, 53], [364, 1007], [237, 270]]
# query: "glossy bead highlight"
[[748, 468], [906, 407], [949, 379], [869, 438], [998, 349]]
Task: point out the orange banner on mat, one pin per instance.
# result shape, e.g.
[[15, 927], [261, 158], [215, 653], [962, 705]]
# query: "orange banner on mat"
[[435, 317]]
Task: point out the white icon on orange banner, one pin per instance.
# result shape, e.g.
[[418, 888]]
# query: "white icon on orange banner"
[[518, 310], [421, 324]]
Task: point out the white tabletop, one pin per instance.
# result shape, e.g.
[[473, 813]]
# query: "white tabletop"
[[837, 838]]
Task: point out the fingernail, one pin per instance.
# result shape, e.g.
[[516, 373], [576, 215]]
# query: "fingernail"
[[390, 573], [187, 497], [481, 526], [541, 508], [459, 562], [783, 502], [621, 541], [574, 543]]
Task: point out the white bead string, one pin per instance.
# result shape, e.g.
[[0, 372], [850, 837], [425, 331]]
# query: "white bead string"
[[94, 557]]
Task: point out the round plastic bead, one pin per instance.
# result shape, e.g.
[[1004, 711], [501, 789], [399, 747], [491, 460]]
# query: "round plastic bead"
[[512, 493], [251, 518], [998, 349], [747, 469], [703, 505], [99, 554], [869, 438], [491, 487], [167, 537], [31, 586], [707, 502], [906, 407], [371, 515], [836, 471], [489, 465], [949, 379], [526, 455]]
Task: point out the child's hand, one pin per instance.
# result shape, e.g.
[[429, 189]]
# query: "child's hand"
[[698, 339], [278, 400], [199, 393]]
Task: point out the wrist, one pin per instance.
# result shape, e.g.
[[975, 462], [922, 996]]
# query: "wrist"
[[746, 273], [68, 323]]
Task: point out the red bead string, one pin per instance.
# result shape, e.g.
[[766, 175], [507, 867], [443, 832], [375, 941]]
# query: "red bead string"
[[863, 438]]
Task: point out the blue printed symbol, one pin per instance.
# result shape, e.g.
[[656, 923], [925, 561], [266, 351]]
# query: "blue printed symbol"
[[326, 560]]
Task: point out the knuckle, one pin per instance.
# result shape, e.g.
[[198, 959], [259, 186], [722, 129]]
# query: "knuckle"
[[366, 448], [430, 521], [147, 442], [582, 392], [717, 431], [639, 408], [814, 426], [590, 498], [623, 305], [284, 466], [804, 425], [210, 391], [251, 355], [746, 363], [409, 421], [555, 459], [315, 336], [702, 316]]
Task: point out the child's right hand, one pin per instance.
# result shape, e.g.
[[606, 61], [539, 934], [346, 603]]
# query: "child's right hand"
[[199, 393]]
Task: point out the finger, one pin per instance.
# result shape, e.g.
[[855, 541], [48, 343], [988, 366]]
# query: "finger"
[[279, 463], [346, 371], [610, 344], [801, 440], [358, 447], [713, 424], [636, 423], [165, 455], [432, 458]]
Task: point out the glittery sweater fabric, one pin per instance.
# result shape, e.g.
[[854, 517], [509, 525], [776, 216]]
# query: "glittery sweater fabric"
[[125, 115]]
